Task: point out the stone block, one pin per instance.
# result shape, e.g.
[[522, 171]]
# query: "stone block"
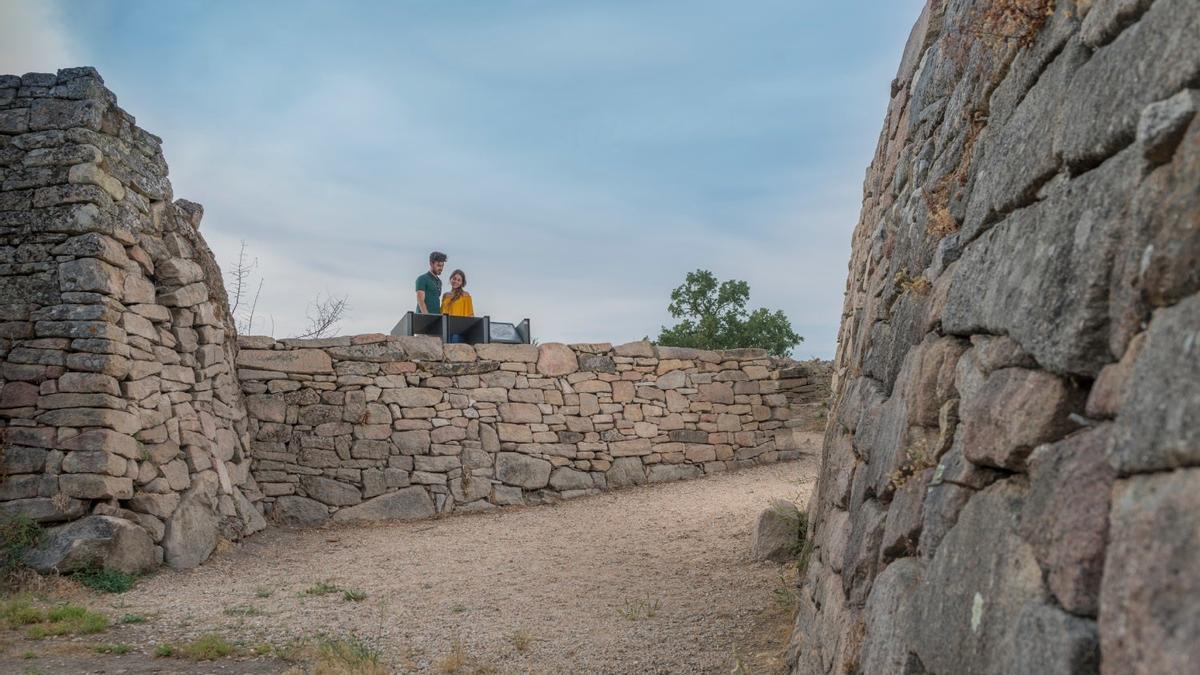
[[158, 505], [1053, 641], [640, 349], [633, 448], [1148, 622], [673, 380], [520, 413], [717, 392], [902, 528], [890, 619], [974, 589], [1157, 427], [522, 471], [411, 503], [185, 296], [508, 353], [661, 473], [1149, 61], [90, 275], [50, 113], [98, 462], [15, 459], [1162, 124], [1065, 517], [94, 486], [266, 408], [1015, 410], [412, 442], [597, 363], [413, 397], [304, 361], [556, 360], [625, 471], [329, 491], [179, 272], [296, 511], [563, 478], [45, 509]]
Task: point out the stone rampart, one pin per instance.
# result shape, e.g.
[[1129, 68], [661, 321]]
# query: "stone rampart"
[[119, 405], [126, 431], [1011, 471], [376, 427]]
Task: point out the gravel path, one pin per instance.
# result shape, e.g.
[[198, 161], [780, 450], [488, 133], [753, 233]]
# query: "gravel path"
[[650, 579]]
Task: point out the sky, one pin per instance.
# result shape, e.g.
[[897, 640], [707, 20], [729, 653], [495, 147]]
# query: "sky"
[[575, 158]]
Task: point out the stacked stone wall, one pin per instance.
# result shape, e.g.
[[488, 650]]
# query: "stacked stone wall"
[[375, 427], [1011, 473], [118, 402]]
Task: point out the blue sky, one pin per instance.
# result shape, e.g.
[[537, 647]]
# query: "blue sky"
[[577, 159]]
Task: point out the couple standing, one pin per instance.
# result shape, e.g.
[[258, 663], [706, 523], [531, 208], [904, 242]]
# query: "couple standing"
[[431, 300]]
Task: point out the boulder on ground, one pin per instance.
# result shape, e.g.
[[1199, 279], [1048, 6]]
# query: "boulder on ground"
[[94, 541], [777, 533]]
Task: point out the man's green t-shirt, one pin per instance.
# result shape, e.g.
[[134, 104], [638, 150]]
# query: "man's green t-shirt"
[[433, 292]]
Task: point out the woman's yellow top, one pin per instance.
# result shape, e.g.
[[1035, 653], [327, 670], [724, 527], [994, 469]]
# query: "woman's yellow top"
[[460, 307]]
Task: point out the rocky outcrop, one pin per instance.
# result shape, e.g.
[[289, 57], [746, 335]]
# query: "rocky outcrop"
[[372, 427], [117, 390], [1010, 470]]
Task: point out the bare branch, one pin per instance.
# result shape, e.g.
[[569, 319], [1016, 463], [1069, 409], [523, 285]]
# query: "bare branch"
[[324, 315], [253, 307]]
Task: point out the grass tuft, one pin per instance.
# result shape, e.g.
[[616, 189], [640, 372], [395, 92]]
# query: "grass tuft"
[[521, 640], [207, 647], [68, 619], [106, 579], [351, 595], [112, 648], [639, 609], [18, 534], [18, 612], [133, 618], [321, 588]]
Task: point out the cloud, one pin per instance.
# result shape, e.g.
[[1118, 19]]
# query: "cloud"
[[33, 38]]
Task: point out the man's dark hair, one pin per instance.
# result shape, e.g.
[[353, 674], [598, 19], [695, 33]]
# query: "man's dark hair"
[[437, 256]]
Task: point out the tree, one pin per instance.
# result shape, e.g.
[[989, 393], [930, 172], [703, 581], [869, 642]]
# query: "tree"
[[241, 305], [324, 315], [714, 316]]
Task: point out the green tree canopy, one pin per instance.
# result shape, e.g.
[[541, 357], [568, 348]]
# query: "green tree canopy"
[[714, 316]]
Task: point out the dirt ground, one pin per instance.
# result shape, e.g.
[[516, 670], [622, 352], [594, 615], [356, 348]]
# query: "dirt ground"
[[650, 579]]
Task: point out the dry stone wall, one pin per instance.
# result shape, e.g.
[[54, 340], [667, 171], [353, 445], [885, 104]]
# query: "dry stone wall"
[[376, 427], [119, 407], [1011, 470], [136, 430]]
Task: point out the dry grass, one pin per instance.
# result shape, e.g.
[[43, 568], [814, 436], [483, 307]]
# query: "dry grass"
[[460, 662], [639, 609], [916, 460], [906, 283], [521, 640]]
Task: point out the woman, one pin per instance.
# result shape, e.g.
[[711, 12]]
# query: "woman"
[[458, 301]]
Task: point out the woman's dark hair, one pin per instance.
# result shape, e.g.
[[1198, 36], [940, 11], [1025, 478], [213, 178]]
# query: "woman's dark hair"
[[457, 293]]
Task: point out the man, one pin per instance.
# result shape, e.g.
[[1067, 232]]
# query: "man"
[[429, 286]]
